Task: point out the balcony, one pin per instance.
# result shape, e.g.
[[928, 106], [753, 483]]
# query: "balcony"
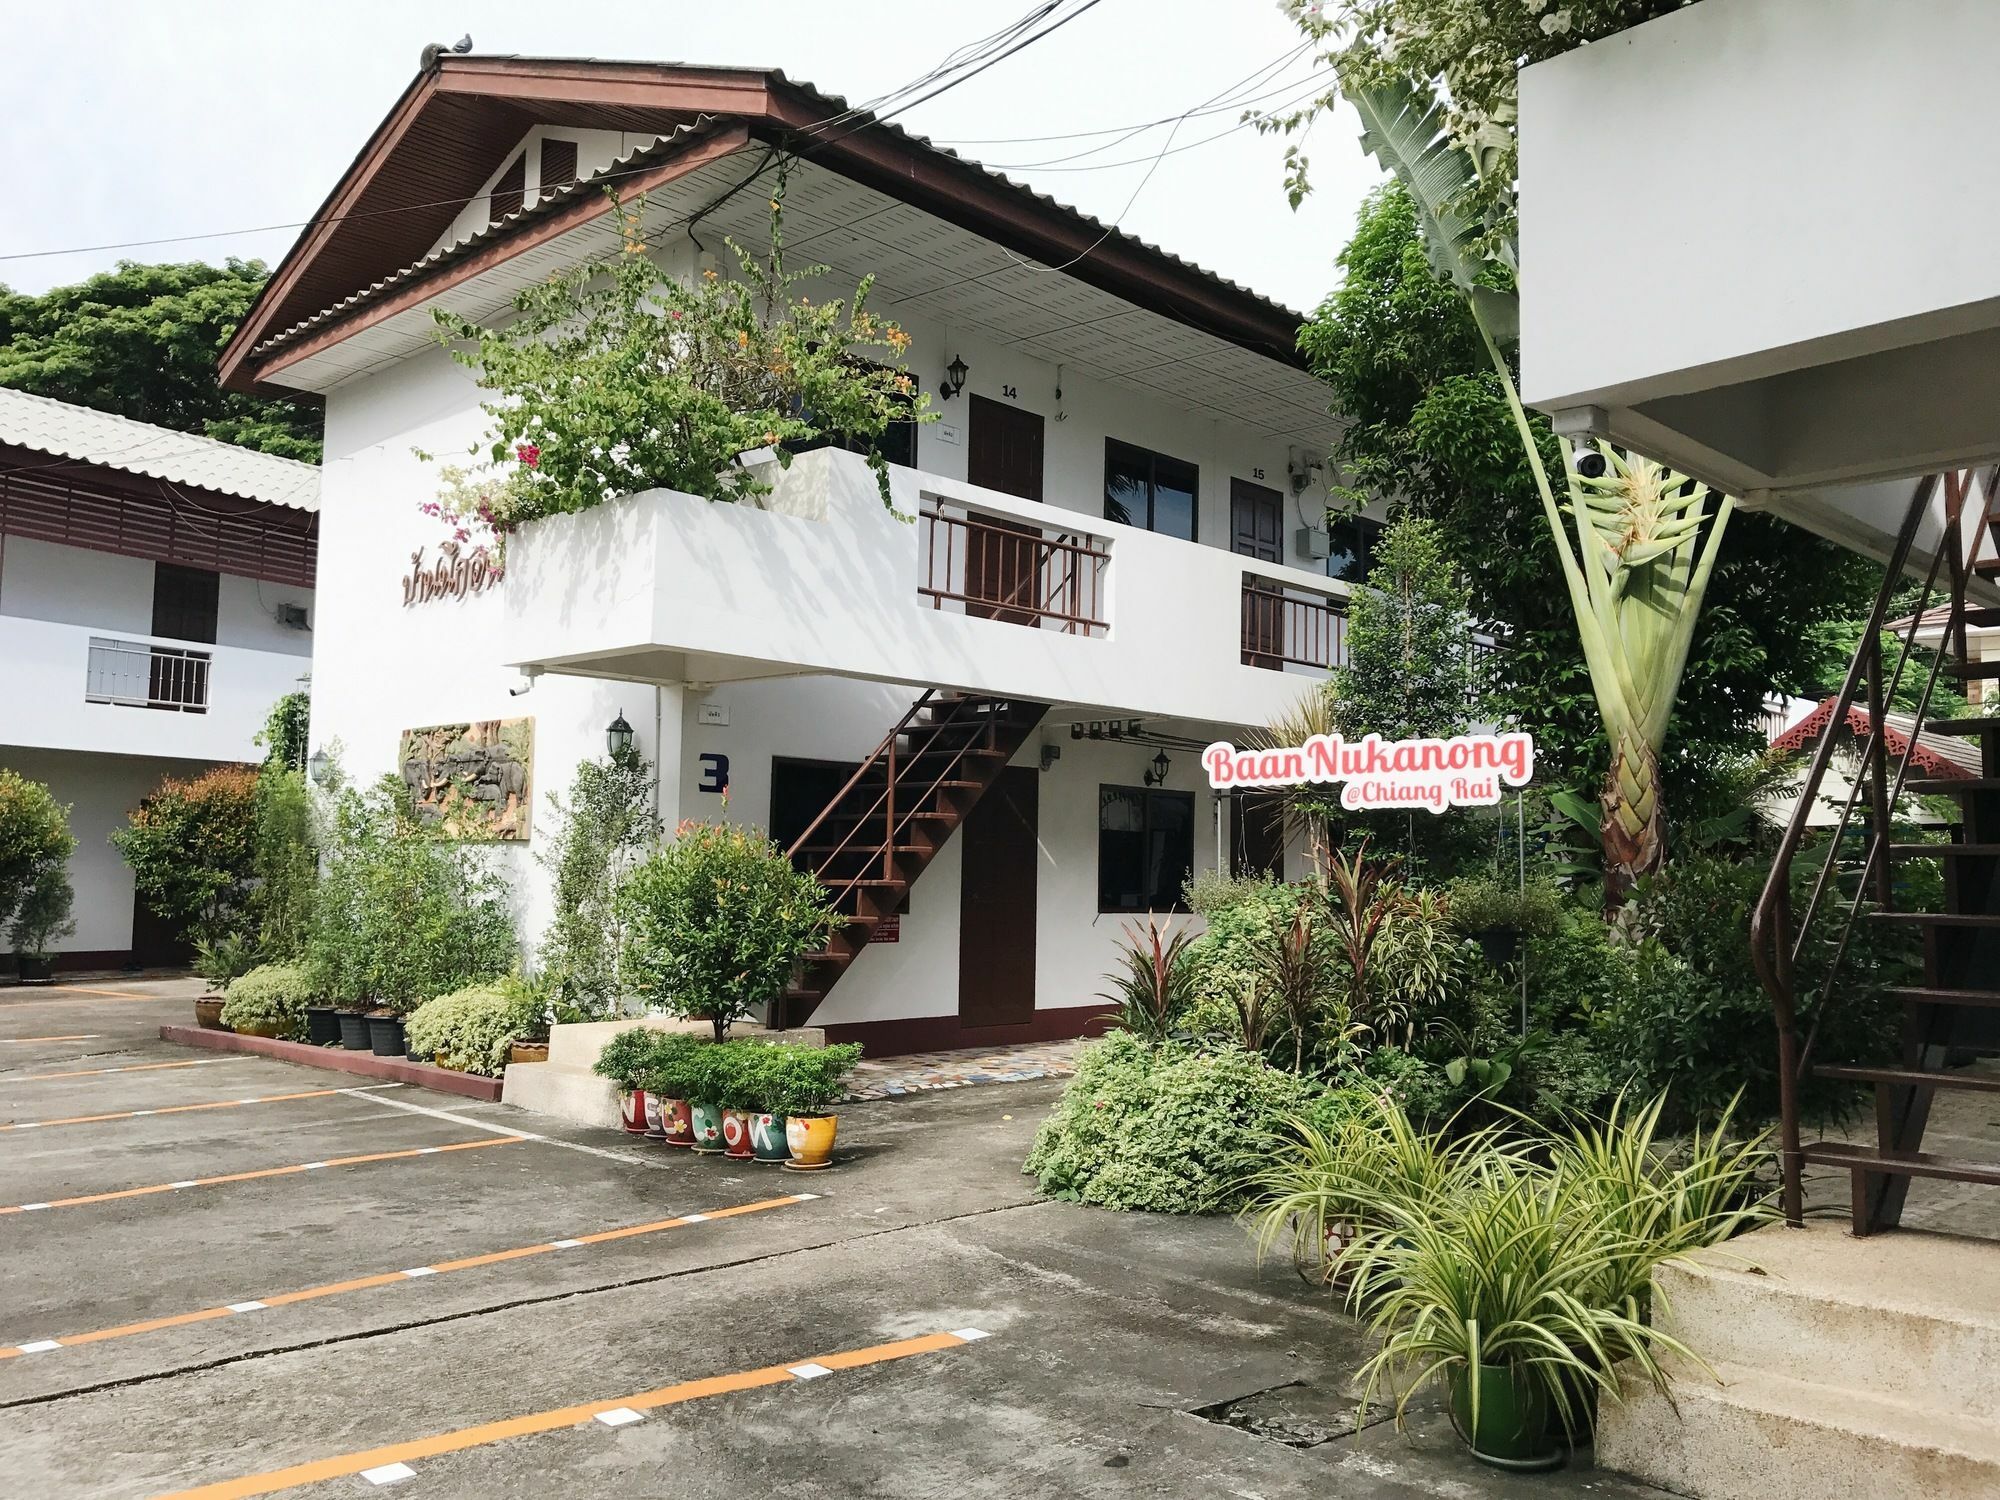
[[962, 588], [71, 687]]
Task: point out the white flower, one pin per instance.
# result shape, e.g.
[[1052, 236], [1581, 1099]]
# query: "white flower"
[[1555, 23]]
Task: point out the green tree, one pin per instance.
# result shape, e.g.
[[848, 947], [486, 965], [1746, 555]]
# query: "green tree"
[[1430, 424], [35, 846], [601, 826], [287, 731], [1410, 671], [285, 861], [191, 848], [143, 341]]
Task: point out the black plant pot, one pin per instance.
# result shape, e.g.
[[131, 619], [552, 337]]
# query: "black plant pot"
[[385, 1035], [36, 968], [322, 1025], [1499, 944], [353, 1031]]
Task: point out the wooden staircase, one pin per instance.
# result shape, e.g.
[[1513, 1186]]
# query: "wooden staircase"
[[1954, 1008], [885, 826]]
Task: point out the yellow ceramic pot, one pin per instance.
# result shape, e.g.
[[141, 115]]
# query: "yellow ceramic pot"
[[811, 1140]]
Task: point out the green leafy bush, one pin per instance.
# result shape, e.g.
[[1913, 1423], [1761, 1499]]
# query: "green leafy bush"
[[270, 994], [1169, 1128], [285, 861], [403, 914], [478, 1025], [626, 1056], [809, 1081], [191, 848], [715, 922], [671, 1064], [34, 839], [599, 829]]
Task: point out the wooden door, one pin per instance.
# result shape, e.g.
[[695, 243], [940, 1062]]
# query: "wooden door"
[[1257, 529], [1002, 558], [996, 906]]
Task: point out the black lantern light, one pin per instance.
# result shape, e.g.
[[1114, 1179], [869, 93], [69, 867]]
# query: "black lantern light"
[[619, 737], [954, 378], [1161, 765]]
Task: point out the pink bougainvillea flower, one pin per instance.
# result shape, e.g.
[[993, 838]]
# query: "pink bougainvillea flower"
[[529, 454]]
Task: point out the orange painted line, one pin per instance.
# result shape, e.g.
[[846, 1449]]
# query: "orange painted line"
[[170, 1109], [262, 1172], [20, 1041], [200, 1062], [551, 1421], [386, 1278], [84, 989]]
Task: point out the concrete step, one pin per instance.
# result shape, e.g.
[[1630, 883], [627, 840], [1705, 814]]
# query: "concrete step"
[[1905, 1316], [1760, 1436]]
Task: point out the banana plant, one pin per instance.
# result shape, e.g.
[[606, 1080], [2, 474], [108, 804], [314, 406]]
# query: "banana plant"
[[1639, 543]]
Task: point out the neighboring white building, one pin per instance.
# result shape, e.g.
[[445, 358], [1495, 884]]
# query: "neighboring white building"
[[156, 593], [771, 648]]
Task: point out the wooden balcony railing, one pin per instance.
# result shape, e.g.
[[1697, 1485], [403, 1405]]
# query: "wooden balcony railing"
[[1288, 628], [995, 568]]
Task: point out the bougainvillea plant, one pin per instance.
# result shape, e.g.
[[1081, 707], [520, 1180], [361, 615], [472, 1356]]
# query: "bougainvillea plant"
[[614, 378]]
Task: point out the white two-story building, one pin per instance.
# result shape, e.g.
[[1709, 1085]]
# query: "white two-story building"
[[156, 599], [981, 723]]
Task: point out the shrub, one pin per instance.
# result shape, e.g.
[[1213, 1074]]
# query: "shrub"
[[270, 994], [287, 731], [1151, 991], [224, 961], [35, 846], [1166, 1128], [716, 920], [626, 1056], [191, 848], [44, 913], [477, 1026], [285, 860], [599, 829], [672, 1064], [403, 914], [1242, 915], [1483, 904], [809, 1081]]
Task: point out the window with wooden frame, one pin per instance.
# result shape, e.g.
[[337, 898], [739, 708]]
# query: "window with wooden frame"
[[1149, 490], [558, 166], [1145, 849]]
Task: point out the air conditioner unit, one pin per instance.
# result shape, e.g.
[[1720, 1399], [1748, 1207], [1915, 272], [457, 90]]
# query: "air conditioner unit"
[[293, 617], [1312, 543]]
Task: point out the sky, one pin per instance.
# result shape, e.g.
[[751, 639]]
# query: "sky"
[[140, 119]]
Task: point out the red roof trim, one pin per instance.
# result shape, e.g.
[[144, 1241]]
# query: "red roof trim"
[[1804, 734]]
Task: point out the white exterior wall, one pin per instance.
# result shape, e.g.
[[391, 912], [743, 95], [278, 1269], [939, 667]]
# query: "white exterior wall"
[[380, 668]]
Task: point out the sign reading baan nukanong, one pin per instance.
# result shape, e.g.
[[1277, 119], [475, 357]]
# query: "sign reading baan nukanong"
[[1467, 770], [472, 781]]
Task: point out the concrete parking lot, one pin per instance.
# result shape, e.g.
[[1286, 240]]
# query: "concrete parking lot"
[[228, 1276]]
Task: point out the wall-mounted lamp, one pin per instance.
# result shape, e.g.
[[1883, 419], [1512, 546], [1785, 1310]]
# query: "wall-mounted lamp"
[[1161, 765], [1050, 755], [954, 378], [618, 736], [322, 770]]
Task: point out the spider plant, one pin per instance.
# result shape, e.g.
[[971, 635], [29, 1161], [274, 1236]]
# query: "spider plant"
[[1502, 1293], [1154, 987]]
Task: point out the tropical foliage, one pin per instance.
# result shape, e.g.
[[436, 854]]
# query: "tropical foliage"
[[600, 829], [191, 846], [613, 378], [268, 995]]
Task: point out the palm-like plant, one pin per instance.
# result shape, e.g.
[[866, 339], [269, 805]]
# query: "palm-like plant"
[[1644, 543], [1309, 807]]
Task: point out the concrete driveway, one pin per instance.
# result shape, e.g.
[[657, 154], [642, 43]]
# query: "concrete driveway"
[[229, 1276]]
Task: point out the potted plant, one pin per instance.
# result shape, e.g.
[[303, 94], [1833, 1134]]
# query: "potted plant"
[[1497, 915], [269, 1001], [717, 920], [387, 1036], [709, 1068], [219, 961], [811, 1084], [623, 1061], [769, 1067], [35, 846], [739, 1093], [322, 1025], [670, 1078]]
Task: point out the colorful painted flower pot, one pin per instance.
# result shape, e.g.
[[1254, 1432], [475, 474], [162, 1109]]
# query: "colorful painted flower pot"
[[767, 1138], [811, 1140], [706, 1122], [677, 1120], [736, 1134], [655, 1130], [633, 1106]]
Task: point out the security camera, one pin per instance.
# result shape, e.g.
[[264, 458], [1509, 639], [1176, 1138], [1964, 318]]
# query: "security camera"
[[527, 681], [1590, 464]]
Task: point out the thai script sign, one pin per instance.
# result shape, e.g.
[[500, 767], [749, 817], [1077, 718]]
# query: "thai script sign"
[[453, 576], [1467, 770]]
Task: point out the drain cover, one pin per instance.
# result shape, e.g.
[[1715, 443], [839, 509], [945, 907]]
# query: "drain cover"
[[1297, 1415]]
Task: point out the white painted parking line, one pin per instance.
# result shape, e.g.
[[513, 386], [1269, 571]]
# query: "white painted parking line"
[[565, 1244], [187, 1183], [389, 1474], [248, 1306], [415, 1271], [630, 1158], [313, 1166], [39, 1346], [970, 1335], [694, 1218], [620, 1416], [808, 1371], [28, 1208]]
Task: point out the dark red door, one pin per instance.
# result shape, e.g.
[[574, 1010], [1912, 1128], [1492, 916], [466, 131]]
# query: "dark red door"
[[996, 906], [1002, 558], [1257, 529]]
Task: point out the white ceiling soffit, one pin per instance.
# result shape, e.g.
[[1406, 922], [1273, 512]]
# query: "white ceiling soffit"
[[922, 267]]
